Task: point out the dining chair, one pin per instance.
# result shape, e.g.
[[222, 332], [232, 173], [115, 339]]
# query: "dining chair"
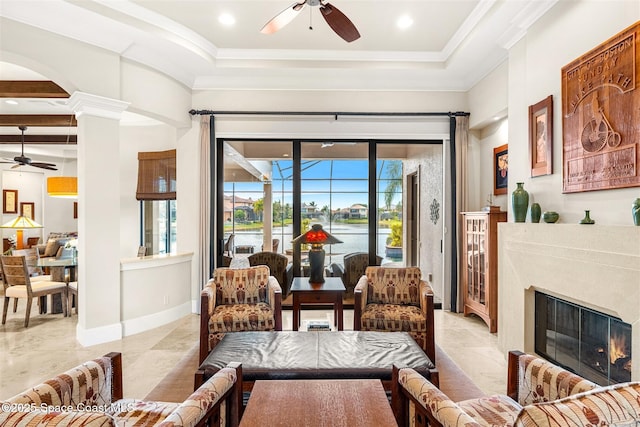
[[72, 293], [36, 273], [17, 284]]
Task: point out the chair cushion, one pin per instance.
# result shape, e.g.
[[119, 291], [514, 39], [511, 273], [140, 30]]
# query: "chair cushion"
[[40, 417], [241, 286], [242, 317], [89, 383], [20, 291], [132, 412], [613, 405], [497, 410], [541, 381], [52, 246], [392, 317], [393, 285]]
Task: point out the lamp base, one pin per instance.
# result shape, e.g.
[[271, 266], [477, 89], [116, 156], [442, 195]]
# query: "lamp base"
[[316, 266]]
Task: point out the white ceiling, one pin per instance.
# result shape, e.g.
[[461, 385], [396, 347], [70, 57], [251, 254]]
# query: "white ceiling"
[[451, 45]]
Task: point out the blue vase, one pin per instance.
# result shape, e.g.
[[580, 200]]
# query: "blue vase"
[[520, 202]]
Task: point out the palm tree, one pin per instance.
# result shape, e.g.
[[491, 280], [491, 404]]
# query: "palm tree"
[[394, 175]]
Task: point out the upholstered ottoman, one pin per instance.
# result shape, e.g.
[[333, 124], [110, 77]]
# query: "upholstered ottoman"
[[275, 355]]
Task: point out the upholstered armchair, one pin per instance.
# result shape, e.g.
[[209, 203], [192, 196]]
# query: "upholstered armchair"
[[238, 300], [396, 299], [90, 394], [279, 266], [355, 264], [538, 393]]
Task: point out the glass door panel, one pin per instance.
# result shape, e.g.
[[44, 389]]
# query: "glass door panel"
[[334, 193]]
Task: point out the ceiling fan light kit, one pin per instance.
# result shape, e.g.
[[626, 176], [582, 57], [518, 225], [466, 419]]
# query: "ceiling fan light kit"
[[337, 20]]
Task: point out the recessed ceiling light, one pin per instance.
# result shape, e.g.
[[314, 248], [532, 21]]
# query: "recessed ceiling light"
[[226, 19], [11, 102], [285, 155], [404, 22]]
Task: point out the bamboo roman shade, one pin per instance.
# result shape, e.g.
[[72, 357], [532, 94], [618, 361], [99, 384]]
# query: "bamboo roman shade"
[[156, 175]]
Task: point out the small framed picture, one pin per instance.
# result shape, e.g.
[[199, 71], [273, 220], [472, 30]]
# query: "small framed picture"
[[500, 169], [27, 209], [541, 137], [10, 201], [142, 251]]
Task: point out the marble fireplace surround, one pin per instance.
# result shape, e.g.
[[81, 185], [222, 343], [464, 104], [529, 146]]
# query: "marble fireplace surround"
[[591, 265]]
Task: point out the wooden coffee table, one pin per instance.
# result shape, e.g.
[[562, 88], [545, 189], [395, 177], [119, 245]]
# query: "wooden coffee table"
[[330, 292], [318, 403]]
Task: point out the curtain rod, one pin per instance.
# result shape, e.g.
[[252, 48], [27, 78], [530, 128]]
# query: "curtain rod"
[[326, 113]]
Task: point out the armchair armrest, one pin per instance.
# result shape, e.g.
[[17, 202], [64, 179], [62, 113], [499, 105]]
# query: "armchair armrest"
[[359, 301], [410, 389], [427, 308], [96, 382], [275, 301], [205, 403]]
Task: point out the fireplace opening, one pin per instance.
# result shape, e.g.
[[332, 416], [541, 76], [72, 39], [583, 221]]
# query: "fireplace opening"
[[594, 345]]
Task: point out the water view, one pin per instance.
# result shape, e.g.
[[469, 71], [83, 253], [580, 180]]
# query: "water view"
[[354, 236]]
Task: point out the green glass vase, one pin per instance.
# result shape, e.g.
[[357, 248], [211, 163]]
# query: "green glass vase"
[[520, 202], [536, 212], [635, 211]]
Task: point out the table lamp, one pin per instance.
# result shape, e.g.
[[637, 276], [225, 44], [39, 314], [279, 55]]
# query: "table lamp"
[[20, 223], [316, 237]]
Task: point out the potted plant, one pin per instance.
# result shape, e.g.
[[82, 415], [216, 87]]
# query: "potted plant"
[[394, 241]]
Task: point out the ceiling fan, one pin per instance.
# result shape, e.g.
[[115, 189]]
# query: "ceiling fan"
[[23, 160], [337, 20]]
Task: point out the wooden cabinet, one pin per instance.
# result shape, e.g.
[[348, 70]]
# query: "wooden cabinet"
[[480, 261]]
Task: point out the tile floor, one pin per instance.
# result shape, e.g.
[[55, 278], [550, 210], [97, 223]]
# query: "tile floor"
[[48, 346]]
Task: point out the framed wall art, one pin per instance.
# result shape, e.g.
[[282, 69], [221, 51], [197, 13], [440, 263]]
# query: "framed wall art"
[[10, 201], [27, 209], [500, 169], [541, 137], [600, 101]]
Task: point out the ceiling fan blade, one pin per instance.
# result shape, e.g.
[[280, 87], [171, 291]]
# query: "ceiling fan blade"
[[17, 165], [339, 22], [282, 19], [49, 166]]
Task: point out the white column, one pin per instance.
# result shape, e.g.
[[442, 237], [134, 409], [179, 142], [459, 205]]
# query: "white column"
[[267, 216], [98, 217]]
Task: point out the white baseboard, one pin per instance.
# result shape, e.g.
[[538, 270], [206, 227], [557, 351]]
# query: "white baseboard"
[[144, 323], [102, 334]]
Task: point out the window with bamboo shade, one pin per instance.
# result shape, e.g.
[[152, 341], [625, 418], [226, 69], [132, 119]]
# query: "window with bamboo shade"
[[156, 175]]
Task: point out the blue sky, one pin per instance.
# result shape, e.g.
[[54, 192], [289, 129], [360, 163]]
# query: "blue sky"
[[348, 187]]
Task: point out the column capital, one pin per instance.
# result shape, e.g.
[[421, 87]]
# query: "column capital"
[[94, 105]]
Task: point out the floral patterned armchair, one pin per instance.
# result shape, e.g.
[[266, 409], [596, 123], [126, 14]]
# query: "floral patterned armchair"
[[279, 266], [91, 395], [396, 299], [238, 300]]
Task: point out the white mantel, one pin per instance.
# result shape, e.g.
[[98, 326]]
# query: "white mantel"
[[592, 265]]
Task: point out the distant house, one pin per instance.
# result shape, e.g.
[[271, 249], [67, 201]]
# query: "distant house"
[[308, 211], [358, 211], [231, 204]]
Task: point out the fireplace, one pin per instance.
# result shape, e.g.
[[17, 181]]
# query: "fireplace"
[[595, 267], [594, 345]]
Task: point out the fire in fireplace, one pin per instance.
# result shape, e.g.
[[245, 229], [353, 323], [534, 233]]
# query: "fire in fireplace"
[[592, 344]]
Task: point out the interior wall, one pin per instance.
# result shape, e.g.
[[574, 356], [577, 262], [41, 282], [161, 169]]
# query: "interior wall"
[[534, 73], [427, 161]]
